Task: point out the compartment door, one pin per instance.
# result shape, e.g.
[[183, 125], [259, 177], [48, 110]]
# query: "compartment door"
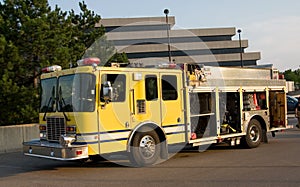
[[278, 109]]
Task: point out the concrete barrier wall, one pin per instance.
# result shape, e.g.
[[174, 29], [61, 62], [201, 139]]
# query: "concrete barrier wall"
[[12, 137]]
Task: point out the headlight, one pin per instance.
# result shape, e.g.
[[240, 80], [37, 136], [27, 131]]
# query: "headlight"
[[43, 132], [43, 135]]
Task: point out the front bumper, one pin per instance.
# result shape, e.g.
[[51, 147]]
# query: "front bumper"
[[44, 149]]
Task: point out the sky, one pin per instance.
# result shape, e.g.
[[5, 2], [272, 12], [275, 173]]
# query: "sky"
[[271, 27]]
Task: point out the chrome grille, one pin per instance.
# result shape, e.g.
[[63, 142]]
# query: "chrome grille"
[[56, 126]]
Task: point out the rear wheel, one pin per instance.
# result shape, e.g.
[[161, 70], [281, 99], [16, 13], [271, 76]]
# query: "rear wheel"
[[254, 134], [145, 149]]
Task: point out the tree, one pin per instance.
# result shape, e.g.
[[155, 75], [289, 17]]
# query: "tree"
[[18, 101], [104, 49], [119, 58], [290, 75], [33, 36]]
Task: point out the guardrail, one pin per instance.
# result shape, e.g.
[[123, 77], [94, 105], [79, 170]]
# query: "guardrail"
[[12, 137]]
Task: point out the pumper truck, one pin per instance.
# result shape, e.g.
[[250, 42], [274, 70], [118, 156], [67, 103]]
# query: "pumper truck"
[[90, 110]]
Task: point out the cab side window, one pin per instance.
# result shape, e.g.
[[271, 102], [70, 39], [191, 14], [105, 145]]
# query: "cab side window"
[[118, 83], [151, 87], [169, 87]]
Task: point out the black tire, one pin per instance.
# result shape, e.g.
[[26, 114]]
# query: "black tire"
[[145, 149], [254, 134]]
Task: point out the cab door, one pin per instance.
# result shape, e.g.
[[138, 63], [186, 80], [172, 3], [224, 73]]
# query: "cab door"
[[172, 110], [144, 96], [114, 113]]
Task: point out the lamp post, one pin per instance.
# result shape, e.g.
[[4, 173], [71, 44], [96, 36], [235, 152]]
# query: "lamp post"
[[166, 12], [241, 52]]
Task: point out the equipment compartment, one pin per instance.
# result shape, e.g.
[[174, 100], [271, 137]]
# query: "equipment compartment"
[[203, 120], [230, 112]]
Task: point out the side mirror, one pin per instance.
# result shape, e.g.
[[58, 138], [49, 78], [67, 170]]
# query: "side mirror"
[[107, 91]]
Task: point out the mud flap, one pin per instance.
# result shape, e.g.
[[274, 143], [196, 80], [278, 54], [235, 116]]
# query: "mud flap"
[[164, 150], [264, 136]]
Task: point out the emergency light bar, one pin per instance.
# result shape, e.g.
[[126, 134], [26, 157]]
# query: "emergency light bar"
[[88, 61], [51, 69], [167, 66]]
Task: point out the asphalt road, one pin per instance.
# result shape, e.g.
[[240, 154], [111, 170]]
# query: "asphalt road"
[[274, 164]]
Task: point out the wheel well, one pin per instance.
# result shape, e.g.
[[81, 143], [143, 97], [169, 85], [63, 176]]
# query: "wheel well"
[[261, 121], [161, 136], [263, 128], [153, 126]]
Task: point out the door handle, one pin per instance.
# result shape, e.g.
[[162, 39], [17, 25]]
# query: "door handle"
[[132, 103], [127, 125]]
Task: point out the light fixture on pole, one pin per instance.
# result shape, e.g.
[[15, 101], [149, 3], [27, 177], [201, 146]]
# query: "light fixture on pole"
[[241, 51], [166, 12]]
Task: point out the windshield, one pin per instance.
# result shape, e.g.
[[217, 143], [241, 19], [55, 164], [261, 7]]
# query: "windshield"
[[73, 93], [48, 94]]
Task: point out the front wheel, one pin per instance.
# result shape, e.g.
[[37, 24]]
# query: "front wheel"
[[254, 134], [145, 149]]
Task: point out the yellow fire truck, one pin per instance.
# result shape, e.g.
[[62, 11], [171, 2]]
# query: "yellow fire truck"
[[91, 110]]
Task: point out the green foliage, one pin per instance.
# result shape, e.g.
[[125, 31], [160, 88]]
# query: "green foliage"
[[101, 48], [32, 36], [292, 75], [119, 58], [18, 101], [105, 50]]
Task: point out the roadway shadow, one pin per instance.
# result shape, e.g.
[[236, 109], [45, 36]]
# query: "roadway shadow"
[[12, 164]]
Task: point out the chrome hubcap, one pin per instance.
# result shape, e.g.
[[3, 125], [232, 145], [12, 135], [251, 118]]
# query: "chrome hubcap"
[[254, 135], [147, 147]]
